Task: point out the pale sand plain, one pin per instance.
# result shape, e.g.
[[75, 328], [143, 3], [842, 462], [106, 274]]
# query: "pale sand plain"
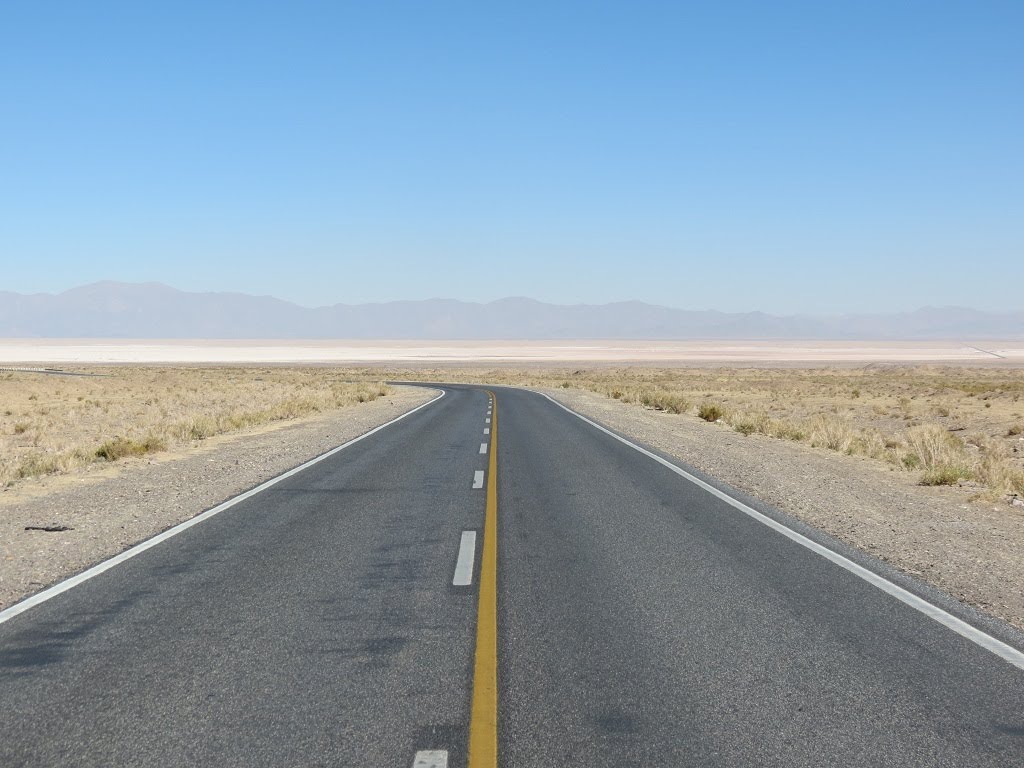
[[15, 352]]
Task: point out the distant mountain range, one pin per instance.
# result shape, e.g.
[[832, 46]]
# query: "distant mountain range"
[[156, 311]]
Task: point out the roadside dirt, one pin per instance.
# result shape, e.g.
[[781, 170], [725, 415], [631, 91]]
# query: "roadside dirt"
[[111, 508], [972, 551]]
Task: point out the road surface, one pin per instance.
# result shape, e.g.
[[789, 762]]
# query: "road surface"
[[480, 584]]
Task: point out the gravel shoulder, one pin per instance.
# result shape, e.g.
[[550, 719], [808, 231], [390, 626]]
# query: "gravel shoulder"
[[114, 507], [969, 550]]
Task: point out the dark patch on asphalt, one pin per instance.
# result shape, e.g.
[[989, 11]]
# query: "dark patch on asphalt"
[[51, 642], [384, 646], [402, 571], [49, 528], [615, 722], [1013, 730]]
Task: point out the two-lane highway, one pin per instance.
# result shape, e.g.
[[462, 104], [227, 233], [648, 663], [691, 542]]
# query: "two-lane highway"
[[491, 580]]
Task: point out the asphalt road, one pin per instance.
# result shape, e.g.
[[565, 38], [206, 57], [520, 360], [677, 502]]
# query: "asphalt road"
[[622, 616]]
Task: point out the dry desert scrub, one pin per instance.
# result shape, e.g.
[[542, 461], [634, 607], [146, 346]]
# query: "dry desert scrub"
[[56, 424], [949, 425]]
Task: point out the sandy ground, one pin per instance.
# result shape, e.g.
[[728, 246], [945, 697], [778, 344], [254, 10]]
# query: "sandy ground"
[[140, 351], [971, 551], [117, 505]]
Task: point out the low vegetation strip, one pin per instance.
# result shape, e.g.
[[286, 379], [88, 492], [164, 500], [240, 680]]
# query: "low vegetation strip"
[[52, 425], [910, 420], [946, 425]]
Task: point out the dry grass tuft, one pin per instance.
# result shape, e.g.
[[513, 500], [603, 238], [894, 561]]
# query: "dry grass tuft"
[[946, 474], [996, 470], [827, 431], [119, 447], [936, 448], [710, 411]]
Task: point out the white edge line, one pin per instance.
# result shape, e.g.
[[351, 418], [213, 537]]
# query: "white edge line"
[[478, 479], [464, 564], [63, 586], [998, 647]]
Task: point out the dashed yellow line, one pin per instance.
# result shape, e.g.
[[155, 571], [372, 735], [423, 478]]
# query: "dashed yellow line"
[[483, 721]]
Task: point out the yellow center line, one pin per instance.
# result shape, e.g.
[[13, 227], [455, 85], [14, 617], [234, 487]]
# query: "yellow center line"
[[483, 720]]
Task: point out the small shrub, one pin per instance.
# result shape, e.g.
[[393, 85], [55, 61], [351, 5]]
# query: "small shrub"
[[946, 474], [37, 464], [1016, 429], [20, 428], [787, 431], [745, 428], [997, 470], [868, 442], [830, 432], [936, 447], [710, 411], [911, 461], [198, 428], [119, 447], [749, 423], [673, 404]]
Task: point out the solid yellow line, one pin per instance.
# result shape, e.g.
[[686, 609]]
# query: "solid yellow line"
[[483, 721]]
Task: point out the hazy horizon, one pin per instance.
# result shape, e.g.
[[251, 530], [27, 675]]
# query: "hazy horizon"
[[103, 283], [155, 310]]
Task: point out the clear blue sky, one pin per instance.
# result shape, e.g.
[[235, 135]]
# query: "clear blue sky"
[[778, 156]]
